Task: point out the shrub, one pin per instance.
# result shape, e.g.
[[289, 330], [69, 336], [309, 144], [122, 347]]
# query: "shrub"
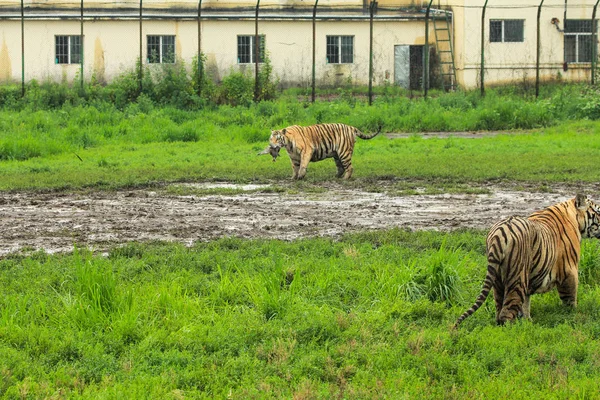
[[208, 90], [236, 90]]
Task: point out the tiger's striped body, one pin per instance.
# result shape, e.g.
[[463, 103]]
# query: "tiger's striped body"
[[315, 143], [535, 254]]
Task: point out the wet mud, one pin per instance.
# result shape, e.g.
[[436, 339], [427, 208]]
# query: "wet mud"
[[56, 222]]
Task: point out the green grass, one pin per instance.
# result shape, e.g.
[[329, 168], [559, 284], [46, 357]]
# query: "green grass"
[[103, 146], [367, 316], [567, 153]]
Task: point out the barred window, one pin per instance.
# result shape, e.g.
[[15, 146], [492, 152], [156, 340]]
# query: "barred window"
[[579, 45], [161, 49], [507, 30], [340, 49], [247, 49], [68, 49]]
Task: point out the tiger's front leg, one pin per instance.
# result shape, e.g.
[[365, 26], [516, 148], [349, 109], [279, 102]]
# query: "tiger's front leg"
[[339, 165], [295, 166], [304, 160]]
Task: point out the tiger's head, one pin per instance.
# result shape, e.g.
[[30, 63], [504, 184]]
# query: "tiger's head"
[[276, 142], [588, 216]]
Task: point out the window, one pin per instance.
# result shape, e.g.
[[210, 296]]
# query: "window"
[[340, 49], [578, 40], [68, 49], [507, 30], [247, 49], [161, 49]]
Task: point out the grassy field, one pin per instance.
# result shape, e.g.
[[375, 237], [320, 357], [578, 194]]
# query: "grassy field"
[[103, 146], [368, 316]]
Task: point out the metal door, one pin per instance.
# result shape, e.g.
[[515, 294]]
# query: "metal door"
[[402, 66]]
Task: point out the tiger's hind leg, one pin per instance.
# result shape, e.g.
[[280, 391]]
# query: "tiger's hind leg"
[[567, 290], [339, 165], [513, 305], [498, 300], [346, 163]]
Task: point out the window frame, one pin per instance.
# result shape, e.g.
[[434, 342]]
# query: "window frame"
[[70, 56], [503, 35], [577, 35], [160, 43], [335, 44], [249, 49]]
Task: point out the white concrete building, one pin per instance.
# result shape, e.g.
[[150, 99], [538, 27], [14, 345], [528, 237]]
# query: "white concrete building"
[[170, 32]]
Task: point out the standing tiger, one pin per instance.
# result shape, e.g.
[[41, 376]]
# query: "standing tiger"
[[535, 254], [316, 143]]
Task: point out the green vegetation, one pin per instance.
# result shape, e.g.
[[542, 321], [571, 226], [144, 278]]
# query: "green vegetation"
[[367, 316], [76, 142]]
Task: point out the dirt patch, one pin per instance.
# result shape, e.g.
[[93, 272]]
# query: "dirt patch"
[[56, 222], [462, 135]]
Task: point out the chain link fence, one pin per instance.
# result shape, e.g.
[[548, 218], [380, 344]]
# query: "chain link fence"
[[316, 44]]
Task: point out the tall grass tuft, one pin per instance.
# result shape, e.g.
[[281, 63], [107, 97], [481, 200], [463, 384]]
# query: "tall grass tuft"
[[589, 265], [438, 279]]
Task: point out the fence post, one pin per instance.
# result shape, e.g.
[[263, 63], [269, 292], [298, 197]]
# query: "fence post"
[[81, 47], [256, 53], [482, 73], [200, 71], [537, 52], [594, 42], [140, 71], [371, 11], [426, 53], [314, 40], [22, 50]]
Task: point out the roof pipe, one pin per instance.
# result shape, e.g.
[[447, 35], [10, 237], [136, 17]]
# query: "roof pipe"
[[426, 52], [256, 53], [193, 17], [594, 42], [537, 51], [314, 41], [482, 72]]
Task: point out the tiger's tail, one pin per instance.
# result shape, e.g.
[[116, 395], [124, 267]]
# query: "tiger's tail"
[[371, 136], [485, 291]]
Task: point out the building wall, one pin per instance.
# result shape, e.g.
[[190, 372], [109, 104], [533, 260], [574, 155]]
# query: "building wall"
[[112, 47], [510, 62]]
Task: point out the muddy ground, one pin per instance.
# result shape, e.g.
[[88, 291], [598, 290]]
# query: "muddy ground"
[[57, 221]]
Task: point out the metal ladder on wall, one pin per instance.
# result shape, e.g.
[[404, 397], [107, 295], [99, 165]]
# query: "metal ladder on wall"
[[445, 50]]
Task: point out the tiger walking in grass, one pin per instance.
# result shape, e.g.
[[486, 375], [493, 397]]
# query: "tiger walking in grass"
[[315, 143], [534, 254]]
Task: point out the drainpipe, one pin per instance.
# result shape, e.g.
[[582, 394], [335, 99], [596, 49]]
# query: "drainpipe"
[[482, 73], [426, 55], [140, 71], [594, 43], [22, 50], [81, 47], [256, 53], [537, 51], [371, 10], [200, 71], [314, 40]]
